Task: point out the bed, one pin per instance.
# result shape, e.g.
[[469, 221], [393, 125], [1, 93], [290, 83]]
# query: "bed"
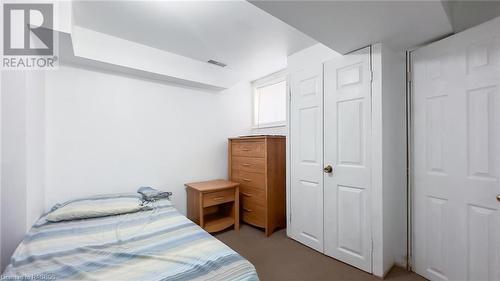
[[154, 244]]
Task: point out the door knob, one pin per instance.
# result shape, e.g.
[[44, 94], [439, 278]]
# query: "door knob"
[[328, 169], [498, 197]]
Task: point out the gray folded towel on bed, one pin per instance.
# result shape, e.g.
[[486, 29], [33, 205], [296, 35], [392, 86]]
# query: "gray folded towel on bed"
[[151, 194]]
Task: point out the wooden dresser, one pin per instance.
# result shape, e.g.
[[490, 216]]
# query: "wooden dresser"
[[258, 164]]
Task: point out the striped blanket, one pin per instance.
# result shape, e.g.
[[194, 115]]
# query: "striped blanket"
[[157, 244]]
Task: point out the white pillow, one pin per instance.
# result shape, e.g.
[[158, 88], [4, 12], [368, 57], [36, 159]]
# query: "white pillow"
[[96, 207]]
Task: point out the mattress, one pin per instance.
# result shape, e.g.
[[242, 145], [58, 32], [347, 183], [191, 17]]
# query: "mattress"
[[157, 244]]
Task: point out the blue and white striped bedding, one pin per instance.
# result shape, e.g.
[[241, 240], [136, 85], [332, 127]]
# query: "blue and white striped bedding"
[[157, 244]]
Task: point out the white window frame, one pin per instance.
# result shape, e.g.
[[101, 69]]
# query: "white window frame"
[[269, 80]]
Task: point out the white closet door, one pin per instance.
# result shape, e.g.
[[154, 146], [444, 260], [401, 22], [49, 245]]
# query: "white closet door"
[[306, 133], [347, 129], [456, 156]]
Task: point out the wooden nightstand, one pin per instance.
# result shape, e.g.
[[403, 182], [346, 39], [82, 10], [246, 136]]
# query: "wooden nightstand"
[[213, 205]]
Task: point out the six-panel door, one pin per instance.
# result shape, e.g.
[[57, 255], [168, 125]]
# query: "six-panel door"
[[306, 133], [347, 130], [456, 156]]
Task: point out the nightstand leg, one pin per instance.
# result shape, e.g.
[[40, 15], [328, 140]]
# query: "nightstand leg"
[[201, 211], [236, 209]]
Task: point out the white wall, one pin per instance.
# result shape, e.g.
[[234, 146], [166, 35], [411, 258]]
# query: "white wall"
[[13, 164], [394, 160], [22, 156], [110, 133], [35, 146], [389, 157]]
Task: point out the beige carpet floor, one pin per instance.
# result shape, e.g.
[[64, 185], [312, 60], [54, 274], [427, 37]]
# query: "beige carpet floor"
[[278, 258]]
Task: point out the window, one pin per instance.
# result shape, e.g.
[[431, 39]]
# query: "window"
[[270, 101]]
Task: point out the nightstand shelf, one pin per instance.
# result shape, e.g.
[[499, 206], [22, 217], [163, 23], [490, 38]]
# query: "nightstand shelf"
[[217, 222]]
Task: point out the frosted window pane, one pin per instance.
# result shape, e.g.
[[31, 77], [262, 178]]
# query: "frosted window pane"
[[272, 103]]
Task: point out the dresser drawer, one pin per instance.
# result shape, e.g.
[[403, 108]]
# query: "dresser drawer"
[[256, 195], [248, 164], [253, 213], [245, 178], [248, 148], [218, 197]]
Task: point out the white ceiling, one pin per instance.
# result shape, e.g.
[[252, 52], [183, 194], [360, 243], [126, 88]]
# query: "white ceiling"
[[249, 40], [349, 25], [466, 14]]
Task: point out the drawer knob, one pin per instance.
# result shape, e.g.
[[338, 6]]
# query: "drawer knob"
[[246, 179], [247, 210], [246, 194], [498, 197], [218, 198], [245, 164]]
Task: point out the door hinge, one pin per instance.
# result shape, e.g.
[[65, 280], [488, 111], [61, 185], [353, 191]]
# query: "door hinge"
[[408, 77], [371, 75]]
